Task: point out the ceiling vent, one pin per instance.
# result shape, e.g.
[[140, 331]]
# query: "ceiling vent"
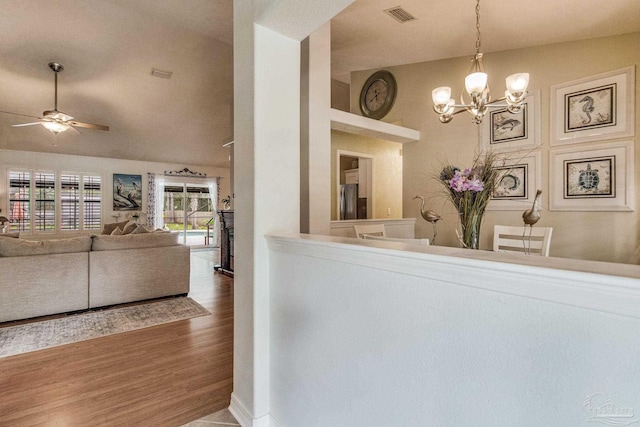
[[400, 15], [161, 74]]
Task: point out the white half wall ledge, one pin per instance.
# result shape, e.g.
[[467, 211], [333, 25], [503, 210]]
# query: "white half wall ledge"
[[360, 125], [605, 287]]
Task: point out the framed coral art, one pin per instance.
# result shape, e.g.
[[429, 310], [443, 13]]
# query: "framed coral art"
[[505, 131], [598, 178], [594, 108], [127, 192], [517, 183]]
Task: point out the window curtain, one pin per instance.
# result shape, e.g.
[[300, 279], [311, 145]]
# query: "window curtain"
[[155, 198], [151, 199], [213, 194]]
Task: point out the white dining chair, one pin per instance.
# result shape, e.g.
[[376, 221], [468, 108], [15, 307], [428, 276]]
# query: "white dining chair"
[[369, 229], [424, 242], [524, 240]]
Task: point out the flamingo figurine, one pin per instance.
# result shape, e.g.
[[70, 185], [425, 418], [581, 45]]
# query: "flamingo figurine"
[[530, 217], [429, 216]]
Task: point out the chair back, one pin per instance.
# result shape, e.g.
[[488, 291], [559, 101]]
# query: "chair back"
[[369, 229], [524, 240], [397, 239]]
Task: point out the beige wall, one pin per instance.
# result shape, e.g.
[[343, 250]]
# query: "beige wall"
[[606, 236], [339, 95], [387, 172]]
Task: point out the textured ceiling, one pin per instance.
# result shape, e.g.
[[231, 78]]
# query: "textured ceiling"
[[108, 48], [364, 37]]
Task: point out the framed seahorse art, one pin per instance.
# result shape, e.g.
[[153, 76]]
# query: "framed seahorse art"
[[593, 108]]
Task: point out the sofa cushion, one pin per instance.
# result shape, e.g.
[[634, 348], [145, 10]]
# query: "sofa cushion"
[[108, 228], [15, 234], [134, 241], [19, 247]]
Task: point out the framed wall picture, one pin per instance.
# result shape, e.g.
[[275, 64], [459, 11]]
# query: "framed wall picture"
[[517, 183], [593, 108], [505, 131], [594, 178], [127, 192]]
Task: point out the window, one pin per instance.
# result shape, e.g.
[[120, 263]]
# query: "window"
[[44, 215], [70, 202], [92, 188], [19, 200], [66, 201]]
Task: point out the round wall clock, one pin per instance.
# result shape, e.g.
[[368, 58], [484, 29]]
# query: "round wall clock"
[[378, 95]]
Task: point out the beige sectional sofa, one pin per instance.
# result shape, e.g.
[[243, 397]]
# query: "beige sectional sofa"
[[39, 278]]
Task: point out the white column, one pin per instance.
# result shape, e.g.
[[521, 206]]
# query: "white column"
[[242, 399], [266, 180], [319, 131], [266, 174]]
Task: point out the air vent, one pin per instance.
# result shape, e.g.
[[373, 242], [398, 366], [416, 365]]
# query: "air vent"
[[400, 15], [161, 74]]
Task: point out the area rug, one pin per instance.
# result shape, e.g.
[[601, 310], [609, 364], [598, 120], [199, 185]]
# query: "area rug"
[[94, 324]]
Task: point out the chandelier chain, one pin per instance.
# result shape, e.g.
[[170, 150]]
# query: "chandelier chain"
[[478, 26]]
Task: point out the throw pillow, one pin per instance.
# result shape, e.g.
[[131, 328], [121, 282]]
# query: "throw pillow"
[[140, 229], [129, 228], [108, 228], [116, 232]]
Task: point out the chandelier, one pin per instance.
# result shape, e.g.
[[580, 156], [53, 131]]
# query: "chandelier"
[[478, 90]]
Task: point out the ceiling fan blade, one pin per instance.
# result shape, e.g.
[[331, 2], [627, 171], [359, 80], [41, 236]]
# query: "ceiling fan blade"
[[26, 124], [22, 115], [88, 125]]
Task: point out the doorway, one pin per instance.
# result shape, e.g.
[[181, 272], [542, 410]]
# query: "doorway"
[[354, 185]]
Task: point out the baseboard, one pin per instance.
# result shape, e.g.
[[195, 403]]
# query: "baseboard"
[[242, 415]]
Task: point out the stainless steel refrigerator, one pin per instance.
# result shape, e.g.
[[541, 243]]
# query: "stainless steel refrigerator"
[[352, 207]]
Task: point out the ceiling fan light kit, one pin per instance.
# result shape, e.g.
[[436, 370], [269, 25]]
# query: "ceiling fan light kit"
[[477, 88], [56, 121], [55, 127]]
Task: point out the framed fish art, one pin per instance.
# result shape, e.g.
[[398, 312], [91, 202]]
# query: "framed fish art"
[[503, 130]]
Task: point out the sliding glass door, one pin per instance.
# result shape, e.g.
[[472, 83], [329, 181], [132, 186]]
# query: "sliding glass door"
[[188, 209]]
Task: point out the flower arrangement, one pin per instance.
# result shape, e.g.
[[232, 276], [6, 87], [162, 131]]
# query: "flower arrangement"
[[470, 190], [226, 202]]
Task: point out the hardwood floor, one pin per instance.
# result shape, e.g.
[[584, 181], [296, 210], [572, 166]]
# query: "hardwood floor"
[[167, 375]]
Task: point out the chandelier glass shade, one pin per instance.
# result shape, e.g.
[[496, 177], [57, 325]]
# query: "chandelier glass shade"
[[477, 89]]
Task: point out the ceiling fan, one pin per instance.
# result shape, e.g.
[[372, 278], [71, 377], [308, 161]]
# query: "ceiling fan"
[[54, 120]]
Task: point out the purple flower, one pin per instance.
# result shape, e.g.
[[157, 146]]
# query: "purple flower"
[[465, 181], [475, 185]]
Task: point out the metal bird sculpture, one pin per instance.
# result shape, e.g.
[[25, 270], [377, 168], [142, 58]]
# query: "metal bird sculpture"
[[530, 217], [429, 216]]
